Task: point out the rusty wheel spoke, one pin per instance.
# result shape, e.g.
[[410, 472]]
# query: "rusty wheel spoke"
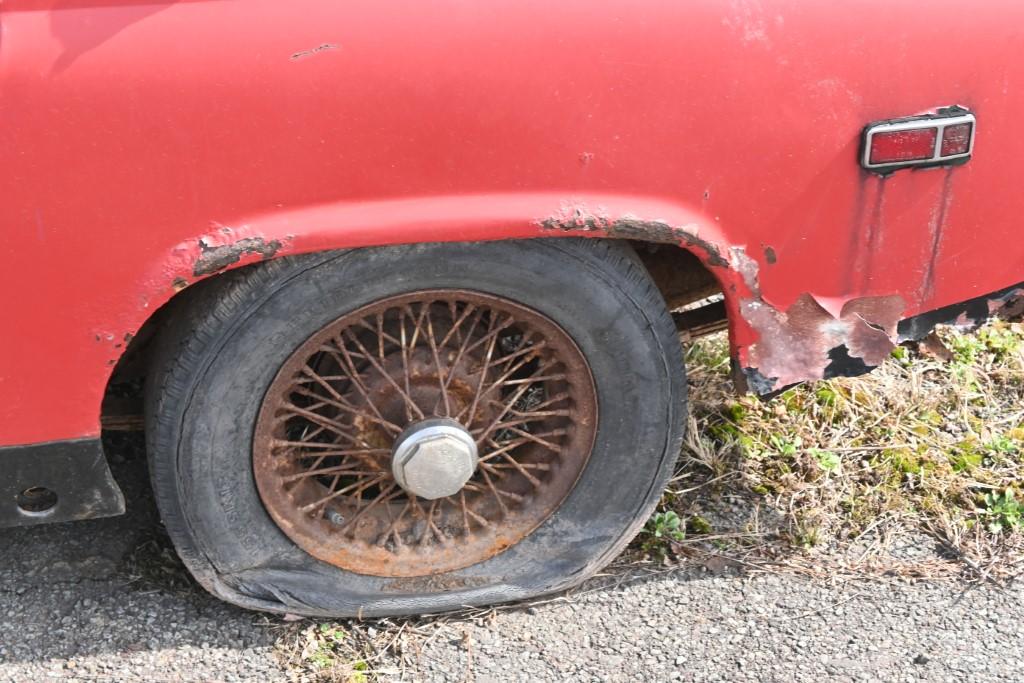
[[339, 470], [507, 378], [491, 428], [349, 367], [385, 375], [351, 452], [350, 409], [327, 423], [440, 367], [315, 505]]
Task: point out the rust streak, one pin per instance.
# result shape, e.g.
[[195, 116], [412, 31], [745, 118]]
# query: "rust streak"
[[937, 228]]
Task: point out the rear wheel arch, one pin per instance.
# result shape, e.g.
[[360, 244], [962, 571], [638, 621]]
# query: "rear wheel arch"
[[682, 274]]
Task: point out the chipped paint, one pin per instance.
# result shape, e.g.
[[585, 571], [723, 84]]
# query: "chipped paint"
[[747, 269], [302, 54], [216, 258], [813, 339], [806, 342]]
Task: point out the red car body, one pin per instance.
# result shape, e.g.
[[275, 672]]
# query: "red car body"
[[147, 145]]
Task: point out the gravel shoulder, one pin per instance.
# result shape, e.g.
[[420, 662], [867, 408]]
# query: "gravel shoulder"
[[105, 600]]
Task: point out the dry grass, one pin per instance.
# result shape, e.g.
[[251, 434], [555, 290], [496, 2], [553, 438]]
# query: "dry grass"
[[923, 448]]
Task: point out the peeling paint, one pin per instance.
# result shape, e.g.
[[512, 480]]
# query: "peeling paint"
[[216, 258], [747, 269], [302, 54], [812, 339], [806, 342], [577, 217], [816, 337]]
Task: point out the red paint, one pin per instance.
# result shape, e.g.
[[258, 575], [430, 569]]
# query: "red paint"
[[130, 131]]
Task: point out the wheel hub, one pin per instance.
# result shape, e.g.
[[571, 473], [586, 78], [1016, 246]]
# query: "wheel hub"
[[434, 458]]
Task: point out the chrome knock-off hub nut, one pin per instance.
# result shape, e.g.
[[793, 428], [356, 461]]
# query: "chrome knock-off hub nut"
[[434, 458]]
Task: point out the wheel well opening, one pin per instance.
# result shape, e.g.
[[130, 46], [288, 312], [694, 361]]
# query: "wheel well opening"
[[122, 409], [691, 291], [122, 406]]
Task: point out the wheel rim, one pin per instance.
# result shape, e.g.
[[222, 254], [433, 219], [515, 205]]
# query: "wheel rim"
[[511, 377]]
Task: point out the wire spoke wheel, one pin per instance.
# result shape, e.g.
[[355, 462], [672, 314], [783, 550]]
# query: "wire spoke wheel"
[[511, 378]]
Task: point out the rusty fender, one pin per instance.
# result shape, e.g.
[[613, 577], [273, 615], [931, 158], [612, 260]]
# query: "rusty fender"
[[803, 342], [807, 340], [967, 315]]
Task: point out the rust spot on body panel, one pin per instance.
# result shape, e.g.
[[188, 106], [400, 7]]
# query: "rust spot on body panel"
[[573, 217], [806, 342], [216, 258]]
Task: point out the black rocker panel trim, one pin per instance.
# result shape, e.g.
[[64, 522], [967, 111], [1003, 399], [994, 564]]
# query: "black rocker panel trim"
[[60, 481]]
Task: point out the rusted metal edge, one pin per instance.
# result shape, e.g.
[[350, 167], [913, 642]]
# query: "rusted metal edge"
[[214, 258], [970, 314], [576, 217], [806, 342]]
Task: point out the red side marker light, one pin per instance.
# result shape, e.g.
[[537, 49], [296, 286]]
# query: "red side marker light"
[[919, 140], [956, 139], [895, 146]]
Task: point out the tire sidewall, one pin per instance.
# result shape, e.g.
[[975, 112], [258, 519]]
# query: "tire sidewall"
[[608, 311]]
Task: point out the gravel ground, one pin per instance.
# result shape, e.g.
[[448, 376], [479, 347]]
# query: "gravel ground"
[[102, 600]]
